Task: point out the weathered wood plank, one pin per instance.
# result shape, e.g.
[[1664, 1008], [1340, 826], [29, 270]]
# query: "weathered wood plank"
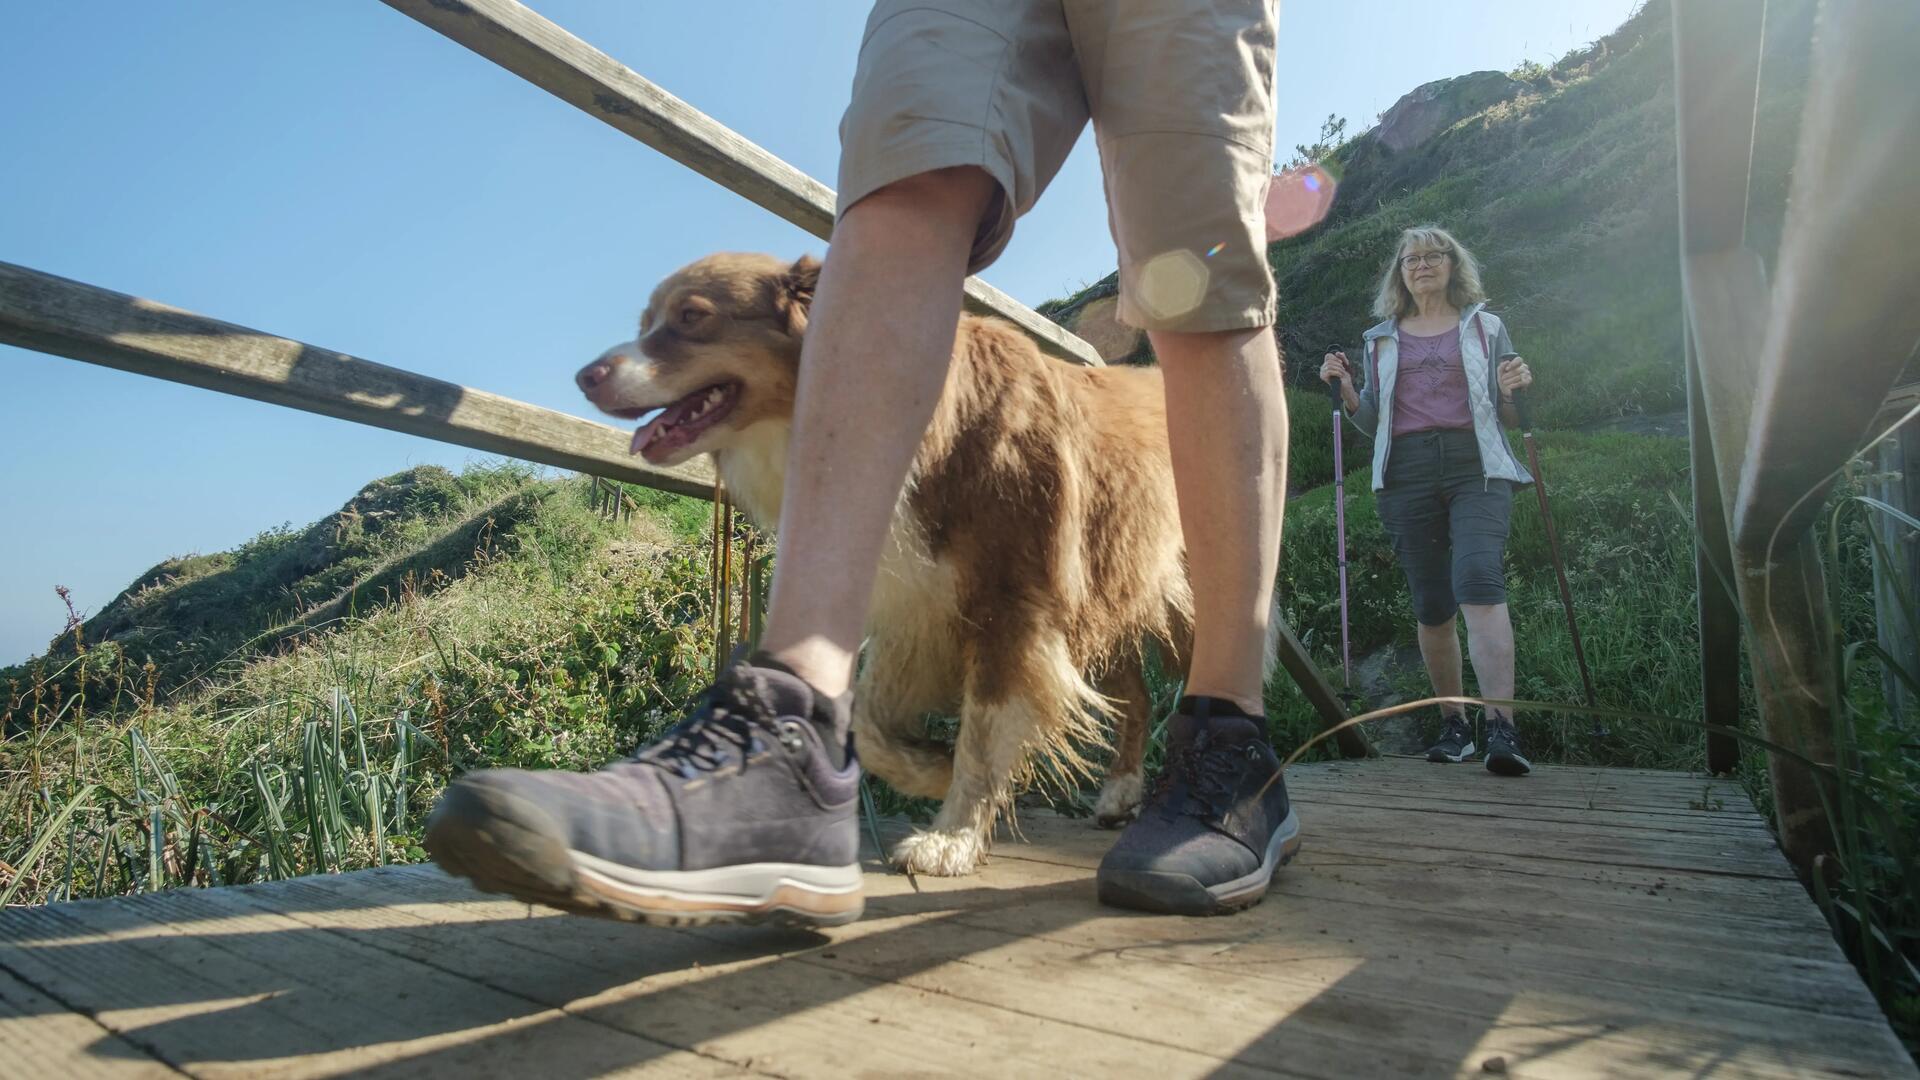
[[223, 989], [539, 51], [1377, 953], [1716, 66], [1093, 969], [1843, 321], [42, 1038], [67, 318]]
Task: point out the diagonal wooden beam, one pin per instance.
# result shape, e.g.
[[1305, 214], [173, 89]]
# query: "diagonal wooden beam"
[[1319, 692], [1716, 47], [66, 318], [1843, 319], [522, 41]]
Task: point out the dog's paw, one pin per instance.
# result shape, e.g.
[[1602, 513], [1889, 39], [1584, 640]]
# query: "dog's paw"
[[941, 853], [1119, 801]]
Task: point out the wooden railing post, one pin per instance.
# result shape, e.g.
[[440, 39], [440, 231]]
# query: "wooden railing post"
[[1791, 375]]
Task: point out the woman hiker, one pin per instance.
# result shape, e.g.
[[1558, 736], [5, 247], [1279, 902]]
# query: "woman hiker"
[[1440, 374]]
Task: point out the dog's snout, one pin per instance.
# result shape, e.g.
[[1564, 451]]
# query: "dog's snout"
[[598, 372]]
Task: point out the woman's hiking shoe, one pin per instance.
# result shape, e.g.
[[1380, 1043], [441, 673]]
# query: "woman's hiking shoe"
[[1503, 750], [745, 811], [1215, 825], [1455, 743]]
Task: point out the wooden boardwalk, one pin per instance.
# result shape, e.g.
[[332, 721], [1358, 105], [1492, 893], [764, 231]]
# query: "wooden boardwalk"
[[1439, 921]]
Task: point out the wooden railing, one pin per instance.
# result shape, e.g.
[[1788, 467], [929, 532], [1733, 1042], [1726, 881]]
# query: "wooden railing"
[[1785, 377], [68, 318], [65, 318], [520, 40]]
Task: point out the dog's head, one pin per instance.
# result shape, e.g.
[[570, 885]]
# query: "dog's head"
[[718, 352]]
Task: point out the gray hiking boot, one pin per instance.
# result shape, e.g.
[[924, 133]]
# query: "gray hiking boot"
[[1215, 826], [743, 812], [1503, 749], [1455, 743]]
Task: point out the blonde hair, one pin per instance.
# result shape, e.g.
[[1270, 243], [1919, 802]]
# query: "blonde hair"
[[1395, 301]]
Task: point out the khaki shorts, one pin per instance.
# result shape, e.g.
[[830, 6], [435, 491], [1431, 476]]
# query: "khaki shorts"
[[1180, 93]]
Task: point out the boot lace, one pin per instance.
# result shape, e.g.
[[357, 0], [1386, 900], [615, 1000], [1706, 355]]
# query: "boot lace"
[[724, 727], [1201, 778]]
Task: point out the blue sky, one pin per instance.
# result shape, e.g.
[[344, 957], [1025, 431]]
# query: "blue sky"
[[338, 174]]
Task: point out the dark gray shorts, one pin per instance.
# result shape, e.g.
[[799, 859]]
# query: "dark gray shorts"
[[1448, 521]]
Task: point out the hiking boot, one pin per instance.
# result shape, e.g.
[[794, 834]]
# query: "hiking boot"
[[1503, 749], [745, 811], [1455, 743], [1213, 829]]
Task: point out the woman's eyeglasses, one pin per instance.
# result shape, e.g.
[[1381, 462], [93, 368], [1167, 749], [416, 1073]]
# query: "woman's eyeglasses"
[[1424, 258]]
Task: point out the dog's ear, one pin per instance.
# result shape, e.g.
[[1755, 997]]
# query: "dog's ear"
[[793, 293]]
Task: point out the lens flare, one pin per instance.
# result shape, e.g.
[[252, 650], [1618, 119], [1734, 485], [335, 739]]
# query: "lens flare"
[[1297, 200], [1216, 249], [1172, 284]]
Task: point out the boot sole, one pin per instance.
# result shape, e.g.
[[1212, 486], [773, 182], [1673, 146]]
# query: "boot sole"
[[505, 844], [1182, 894], [1441, 757], [1508, 765]]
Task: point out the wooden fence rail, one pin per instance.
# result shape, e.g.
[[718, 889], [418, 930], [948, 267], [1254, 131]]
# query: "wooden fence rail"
[[66, 318]]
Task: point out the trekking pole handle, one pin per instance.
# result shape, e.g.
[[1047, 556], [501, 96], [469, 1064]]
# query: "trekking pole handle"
[[1333, 385], [1526, 413]]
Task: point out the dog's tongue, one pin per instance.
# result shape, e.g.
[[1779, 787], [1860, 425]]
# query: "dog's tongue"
[[642, 435]]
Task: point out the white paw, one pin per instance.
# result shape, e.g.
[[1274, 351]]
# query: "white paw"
[[1119, 800], [941, 853]]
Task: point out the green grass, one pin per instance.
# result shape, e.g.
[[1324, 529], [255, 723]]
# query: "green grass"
[[559, 643]]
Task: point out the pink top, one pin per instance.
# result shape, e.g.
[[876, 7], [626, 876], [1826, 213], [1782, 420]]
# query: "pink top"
[[1431, 388]]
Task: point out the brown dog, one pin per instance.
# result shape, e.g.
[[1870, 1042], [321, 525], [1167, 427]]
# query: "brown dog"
[[1035, 553]]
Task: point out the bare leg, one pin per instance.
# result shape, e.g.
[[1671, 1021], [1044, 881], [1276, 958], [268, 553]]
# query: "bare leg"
[[1227, 425], [878, 344], [1490, 642], [1440, 648]]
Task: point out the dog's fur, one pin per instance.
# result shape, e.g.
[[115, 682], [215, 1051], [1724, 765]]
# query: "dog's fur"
[[1035, 551]]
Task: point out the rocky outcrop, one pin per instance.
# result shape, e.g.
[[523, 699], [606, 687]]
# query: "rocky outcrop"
[[1436, 106]]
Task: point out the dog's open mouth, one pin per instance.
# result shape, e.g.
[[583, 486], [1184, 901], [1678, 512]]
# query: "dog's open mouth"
[[669, 428]]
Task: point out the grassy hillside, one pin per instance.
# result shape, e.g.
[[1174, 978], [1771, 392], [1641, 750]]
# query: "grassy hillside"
[[1568, 196], [557, 638]]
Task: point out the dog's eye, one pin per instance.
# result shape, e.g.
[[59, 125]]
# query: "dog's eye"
[[691, 315]]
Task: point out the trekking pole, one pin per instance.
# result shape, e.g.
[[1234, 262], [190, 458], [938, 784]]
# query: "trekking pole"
[[1340, 518], [1553, 547]]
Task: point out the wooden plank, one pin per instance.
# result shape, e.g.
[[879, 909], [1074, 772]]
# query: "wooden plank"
[[66, 318], [1060, 958], [539, 51], [43, 1038], [1378, 953], [1716, 74], [221, 989], [1842, 322], [750, 995]]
